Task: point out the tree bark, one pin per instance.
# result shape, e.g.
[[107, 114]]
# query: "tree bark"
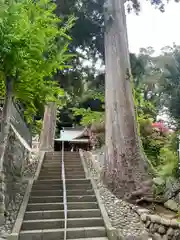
[[49, 127], [125, 168], [6, 117]]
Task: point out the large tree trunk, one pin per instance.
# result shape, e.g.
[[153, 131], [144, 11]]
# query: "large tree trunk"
[[125, 171], [6, 117], [49, 127]]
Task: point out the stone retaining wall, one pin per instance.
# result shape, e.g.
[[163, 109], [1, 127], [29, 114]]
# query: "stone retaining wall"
[[15, 161], [159, 227]]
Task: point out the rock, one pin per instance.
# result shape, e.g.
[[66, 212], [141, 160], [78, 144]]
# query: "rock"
[[156, 227], [165, 221], [144, 236], [162, 229], [148, 223], [143, 217], [151, 228], [175, 223], [155, 218], [172, 205], [176, 234], [177, 198], [159, 181], [172, 185], [142, 210], [164, 237], [170, 232], [156, 236]]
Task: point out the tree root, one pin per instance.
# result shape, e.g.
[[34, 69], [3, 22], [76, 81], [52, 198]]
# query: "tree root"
[[150, 200], [144, 191]]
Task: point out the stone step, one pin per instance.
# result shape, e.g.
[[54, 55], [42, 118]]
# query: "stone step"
[[58, 175], [66, 156], [59, 160], [42, 224], [46, 199], [47, 192], [53, 214], [59, 223], [45, 206], [68, 165], [41, 177], [82, 205], [56, 234], [71, 192], [94, 238], [60, 206], [60, 186], [78, 186], [56, 168], [60, 164], [53, 168], [44, 216], [57, 181], [50, 187], [59, 170]]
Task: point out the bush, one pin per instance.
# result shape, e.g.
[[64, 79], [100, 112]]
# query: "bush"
[[168, 163], [152, 141]]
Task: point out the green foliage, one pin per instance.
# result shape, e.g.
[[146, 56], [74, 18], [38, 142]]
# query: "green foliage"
[[88, 116], [152, 141], [37, 126], [33, 47], [168, 163]]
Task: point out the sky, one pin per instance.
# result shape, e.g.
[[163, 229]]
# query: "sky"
[[153, 28]]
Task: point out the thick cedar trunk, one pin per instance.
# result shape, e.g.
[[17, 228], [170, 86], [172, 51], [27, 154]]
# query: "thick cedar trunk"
[[49, 127], [6, 117], [125, 165]]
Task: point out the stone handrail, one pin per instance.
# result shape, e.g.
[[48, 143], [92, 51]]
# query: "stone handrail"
[[19, 122]]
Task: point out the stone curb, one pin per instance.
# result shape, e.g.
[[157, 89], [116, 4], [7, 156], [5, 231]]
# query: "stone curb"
[[18, 223], [84, 164]]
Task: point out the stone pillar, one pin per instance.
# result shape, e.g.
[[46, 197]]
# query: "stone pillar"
[[48, 128]]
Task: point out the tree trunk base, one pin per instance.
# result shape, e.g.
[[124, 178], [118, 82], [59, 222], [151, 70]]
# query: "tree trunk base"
[[145, 191]]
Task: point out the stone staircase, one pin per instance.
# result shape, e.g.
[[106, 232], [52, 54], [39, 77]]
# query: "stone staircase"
[[44, 216]]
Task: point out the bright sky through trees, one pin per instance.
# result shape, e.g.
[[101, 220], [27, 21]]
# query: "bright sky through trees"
[[153, 28]]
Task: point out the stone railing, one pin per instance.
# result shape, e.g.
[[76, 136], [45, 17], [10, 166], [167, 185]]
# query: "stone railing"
[[19, 122]]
